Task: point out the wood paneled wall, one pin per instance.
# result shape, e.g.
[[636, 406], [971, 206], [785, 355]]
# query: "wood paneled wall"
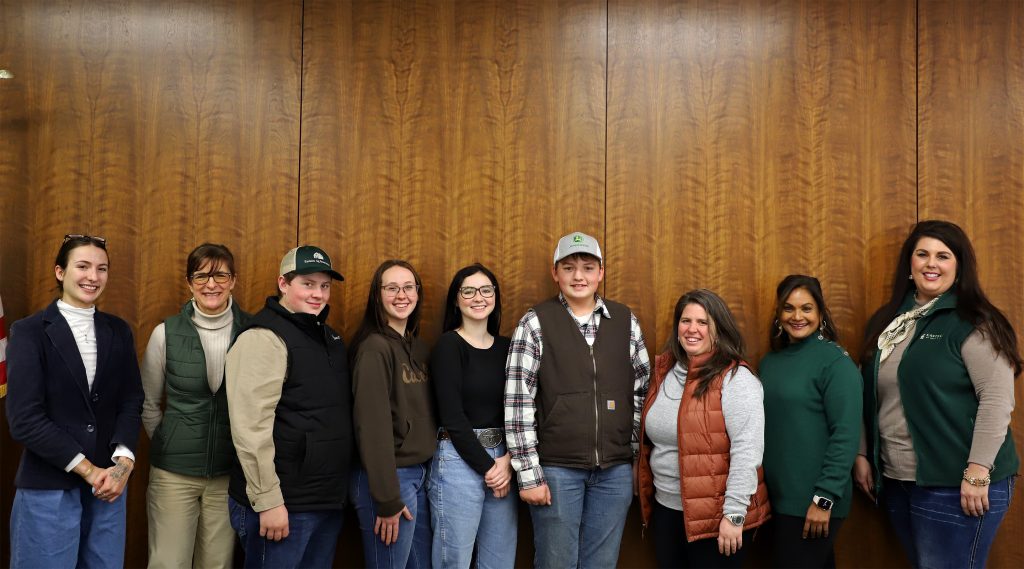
[[719, 144], [971, 162]]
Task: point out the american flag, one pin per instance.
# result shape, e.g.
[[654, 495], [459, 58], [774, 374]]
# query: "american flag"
[[3, 353]]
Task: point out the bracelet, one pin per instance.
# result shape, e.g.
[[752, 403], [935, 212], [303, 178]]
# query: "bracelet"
[[87, 472], [977, 481]]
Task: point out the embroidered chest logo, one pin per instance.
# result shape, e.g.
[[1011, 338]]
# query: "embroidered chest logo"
[[927, 336], [410, 375]]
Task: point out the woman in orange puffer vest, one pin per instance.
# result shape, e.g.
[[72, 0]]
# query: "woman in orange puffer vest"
[[699, 474]]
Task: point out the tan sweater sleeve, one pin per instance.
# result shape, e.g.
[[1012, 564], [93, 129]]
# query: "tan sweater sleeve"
[[992, 376], [154, 364], [254, 376]]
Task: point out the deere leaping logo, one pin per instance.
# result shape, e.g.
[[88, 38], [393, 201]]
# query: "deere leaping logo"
[[318, 256], [577, 238]]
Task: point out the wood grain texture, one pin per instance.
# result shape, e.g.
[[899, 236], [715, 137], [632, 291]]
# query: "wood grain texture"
[[447, 133], [743, 141], [14, 226], [751, 140], [971, 124], [157, 127]]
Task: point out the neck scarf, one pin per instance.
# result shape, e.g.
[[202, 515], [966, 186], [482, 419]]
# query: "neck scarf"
[[899, 328]]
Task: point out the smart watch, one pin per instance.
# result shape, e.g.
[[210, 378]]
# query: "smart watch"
[[823, 502]]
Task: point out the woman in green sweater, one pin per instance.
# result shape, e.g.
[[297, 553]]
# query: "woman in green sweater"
[[812, 406]]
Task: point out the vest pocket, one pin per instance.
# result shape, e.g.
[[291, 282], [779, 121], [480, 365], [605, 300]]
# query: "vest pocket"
[[617, 417], [323, 456], [165, 432]]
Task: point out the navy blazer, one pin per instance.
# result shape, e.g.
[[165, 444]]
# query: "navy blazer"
[[50, 408]]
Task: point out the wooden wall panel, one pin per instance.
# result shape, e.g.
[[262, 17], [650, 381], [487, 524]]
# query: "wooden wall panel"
[[718, 144], [449, 133], [14, 225], [157, 126], [751, 140], [971, 124]]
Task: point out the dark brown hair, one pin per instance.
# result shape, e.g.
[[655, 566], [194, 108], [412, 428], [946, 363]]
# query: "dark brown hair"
[[971, 303], [452, 313], [217, 255], [69, 245], [786, 287], [375, 319], [727, 342]]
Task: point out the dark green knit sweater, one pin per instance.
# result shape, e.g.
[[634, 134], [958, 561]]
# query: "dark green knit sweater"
[[812, 407]]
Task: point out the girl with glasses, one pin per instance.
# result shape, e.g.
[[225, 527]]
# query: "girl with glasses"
[[471, 471], [394, 422], [191, 452], [74, 398]]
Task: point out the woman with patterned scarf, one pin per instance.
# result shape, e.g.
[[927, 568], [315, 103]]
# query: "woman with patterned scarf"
[[938, 369]]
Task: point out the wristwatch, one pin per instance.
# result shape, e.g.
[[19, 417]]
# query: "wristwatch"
[[736, 519], [822, 502]]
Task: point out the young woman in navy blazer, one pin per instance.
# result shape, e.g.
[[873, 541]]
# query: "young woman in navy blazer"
[[74, 399]]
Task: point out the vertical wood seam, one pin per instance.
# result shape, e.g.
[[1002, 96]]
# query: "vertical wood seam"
[[302, 84]]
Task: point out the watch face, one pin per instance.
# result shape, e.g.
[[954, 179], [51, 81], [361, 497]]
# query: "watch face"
[[824, 503]]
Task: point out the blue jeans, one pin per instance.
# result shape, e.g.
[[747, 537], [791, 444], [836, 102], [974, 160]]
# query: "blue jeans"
[[66, 528], [463, 511], [413, 546], [583, 525], [311, 539], [934, 530]]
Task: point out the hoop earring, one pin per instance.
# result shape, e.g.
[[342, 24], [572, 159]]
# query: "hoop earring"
[[779, 326]]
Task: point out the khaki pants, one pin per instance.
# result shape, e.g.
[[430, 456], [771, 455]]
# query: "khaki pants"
[[188, 521]]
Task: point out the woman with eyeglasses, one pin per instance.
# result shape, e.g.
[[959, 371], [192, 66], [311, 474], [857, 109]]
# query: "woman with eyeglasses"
[[191, 452], [394, 422], [74, 397], [812, 407], [939, 366], [471, 471], [700, 482]]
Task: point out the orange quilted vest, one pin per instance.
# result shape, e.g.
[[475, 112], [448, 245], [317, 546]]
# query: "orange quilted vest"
[[703, 459]]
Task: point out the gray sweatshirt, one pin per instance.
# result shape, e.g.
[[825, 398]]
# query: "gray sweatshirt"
[[743, 408]]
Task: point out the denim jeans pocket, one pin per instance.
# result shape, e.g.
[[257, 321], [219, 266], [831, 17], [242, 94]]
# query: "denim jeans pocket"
[[1000, 494], [446, 451], [237, 514]]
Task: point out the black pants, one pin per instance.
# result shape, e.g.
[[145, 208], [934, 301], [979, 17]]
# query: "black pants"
[[790, 549], [672, 550]]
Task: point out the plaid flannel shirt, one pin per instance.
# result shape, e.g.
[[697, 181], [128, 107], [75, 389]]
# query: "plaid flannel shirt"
[[521, 373]]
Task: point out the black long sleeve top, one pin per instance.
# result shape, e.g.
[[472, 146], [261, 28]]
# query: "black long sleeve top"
[[470, 387]]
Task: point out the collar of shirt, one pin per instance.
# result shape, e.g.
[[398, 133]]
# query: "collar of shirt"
[[599, 306]]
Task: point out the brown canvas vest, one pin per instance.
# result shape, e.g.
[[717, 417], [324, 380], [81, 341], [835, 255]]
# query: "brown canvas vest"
[[584, 394]]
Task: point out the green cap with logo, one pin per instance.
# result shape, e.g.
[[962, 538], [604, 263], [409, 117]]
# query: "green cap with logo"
[[577, 243], [307, 259]]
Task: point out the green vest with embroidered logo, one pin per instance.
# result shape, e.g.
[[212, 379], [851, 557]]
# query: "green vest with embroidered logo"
[[194, 437], [938, 399]]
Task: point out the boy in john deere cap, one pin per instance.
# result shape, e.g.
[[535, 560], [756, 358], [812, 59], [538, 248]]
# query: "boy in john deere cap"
[[290, 406], [577, 375]]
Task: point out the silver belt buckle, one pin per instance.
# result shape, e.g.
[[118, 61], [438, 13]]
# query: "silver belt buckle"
[[490, 438]]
